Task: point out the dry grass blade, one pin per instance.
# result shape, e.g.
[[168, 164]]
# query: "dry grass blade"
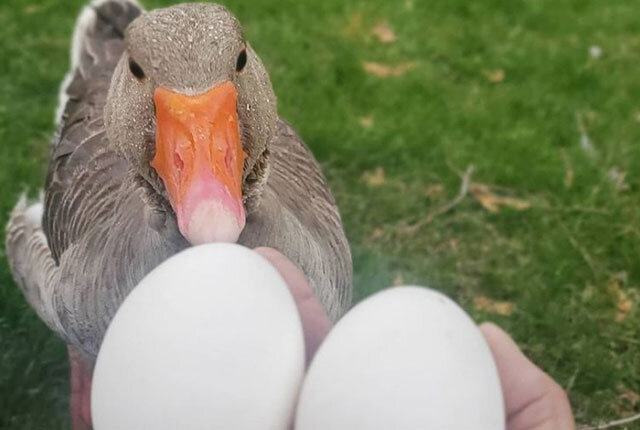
[[492, 202], [568, 169], [622, 300], [483, 303], [384, 33], [433, 191], [494, 76], [628, 395], [366, 121], [354, 25], [612, 424], [385, 70], [375, 177]]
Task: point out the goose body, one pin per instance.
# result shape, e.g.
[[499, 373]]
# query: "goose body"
[[107, 218]]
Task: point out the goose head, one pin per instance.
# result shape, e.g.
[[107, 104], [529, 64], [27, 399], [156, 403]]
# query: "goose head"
[[192, 109]]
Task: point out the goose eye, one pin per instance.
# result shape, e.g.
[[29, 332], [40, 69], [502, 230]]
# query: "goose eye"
[[242, 61], [136, 70]]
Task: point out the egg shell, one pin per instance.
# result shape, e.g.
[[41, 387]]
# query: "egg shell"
[[210, 339], [407, 358]]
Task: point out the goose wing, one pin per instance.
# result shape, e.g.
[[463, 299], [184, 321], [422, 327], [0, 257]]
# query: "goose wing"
[[298, 216], [80, 142], [102, 228]]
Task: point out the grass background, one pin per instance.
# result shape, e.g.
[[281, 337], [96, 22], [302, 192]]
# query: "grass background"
[[513, 87]]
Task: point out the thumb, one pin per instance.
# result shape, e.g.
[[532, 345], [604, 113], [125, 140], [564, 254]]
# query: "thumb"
[[533, 400], [315, 322]]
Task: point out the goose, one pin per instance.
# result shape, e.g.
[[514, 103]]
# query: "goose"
[[167, 137]]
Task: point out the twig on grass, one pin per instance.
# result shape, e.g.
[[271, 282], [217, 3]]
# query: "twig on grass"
[[612, 424], [568, 169], [462, 193]]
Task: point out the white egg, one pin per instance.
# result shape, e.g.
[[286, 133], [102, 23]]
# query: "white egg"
[[407, 358], [210, 339]]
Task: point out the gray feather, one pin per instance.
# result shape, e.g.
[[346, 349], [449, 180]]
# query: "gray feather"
[[298, 216], [31, 264], [105, 226]]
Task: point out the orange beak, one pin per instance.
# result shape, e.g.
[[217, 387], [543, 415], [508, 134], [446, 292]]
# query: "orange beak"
[[199, 157]]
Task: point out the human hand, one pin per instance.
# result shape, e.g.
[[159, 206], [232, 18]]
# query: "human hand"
[[315, 322], [533, 401]]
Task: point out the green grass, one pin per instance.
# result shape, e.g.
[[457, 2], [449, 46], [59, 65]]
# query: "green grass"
[[560, 262]]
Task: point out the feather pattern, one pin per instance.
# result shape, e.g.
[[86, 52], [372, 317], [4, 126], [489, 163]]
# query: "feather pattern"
[[30, 261], [104, 227], [298, 216]]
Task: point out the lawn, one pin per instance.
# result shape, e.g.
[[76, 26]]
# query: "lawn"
[[489, 149]]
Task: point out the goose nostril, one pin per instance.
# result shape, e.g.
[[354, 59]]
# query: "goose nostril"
[[228, 159], [178, 162]]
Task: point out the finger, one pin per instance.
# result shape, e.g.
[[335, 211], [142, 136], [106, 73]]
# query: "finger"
[[533, 401], [315, 322], [551, 411]]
